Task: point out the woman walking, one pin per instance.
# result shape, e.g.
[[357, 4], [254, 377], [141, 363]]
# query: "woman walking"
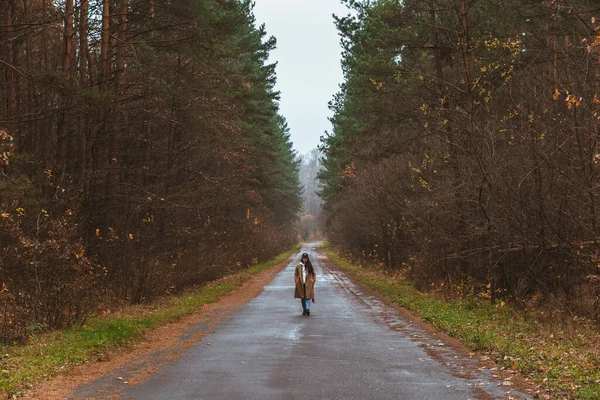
[[305, 278]]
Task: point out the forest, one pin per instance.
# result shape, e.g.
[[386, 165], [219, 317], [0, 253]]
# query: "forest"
[[141, 153], [464, 150]]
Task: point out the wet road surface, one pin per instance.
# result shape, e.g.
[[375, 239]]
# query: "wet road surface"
[[352, 346]]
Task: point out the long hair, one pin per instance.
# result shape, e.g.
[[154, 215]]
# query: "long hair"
[[309, 267]]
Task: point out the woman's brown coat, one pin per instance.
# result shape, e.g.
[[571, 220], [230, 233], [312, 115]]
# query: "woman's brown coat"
[[310, 284]]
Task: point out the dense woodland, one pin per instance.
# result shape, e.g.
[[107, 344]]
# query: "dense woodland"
[[141, 152], [464, 149]]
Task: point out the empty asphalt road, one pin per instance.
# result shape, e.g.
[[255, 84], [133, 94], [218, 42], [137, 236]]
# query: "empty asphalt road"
[[352, 346]]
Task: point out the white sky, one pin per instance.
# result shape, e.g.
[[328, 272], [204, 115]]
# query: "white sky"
[[308, 56]]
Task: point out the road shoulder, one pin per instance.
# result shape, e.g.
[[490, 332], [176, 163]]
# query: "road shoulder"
[[159, 346], [481, 360]]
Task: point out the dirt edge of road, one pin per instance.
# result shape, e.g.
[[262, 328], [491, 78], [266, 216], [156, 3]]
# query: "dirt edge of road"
[[519, 382], [166, 337]]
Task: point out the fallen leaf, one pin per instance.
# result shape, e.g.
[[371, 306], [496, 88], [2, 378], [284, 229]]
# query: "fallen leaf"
[[556, 94]]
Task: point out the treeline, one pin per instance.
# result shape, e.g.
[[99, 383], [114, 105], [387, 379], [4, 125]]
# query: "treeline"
[[465, 146], [141, 151]]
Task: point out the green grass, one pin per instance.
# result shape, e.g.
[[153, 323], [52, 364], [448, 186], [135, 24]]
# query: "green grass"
[[281, 258], [564, 358], [49, 354]]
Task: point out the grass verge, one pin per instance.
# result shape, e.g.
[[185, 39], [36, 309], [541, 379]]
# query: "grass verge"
[[563, 357], [49, 354]]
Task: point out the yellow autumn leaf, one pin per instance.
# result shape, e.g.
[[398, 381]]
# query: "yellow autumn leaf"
[[79, 255], [97, 232], [556, 94], [5, 215], [130, 236], [573, 101]]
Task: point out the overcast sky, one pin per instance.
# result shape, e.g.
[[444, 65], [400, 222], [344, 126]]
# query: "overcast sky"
[[308, 56]]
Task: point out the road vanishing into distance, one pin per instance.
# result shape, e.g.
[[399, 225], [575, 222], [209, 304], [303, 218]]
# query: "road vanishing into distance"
[[352, 346]]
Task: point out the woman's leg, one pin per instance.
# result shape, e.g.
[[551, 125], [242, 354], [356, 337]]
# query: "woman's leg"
[[308, 304], [304, 307]]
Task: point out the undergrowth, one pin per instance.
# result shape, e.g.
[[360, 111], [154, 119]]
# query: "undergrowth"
[[48, 354], [563, 358]]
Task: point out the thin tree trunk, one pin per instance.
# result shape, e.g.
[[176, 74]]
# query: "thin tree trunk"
[[120, 64], [95, 198], [83, 80], [151, 14], [62, 131], [30, 139], [10, 73], [113, 158], [83, 41], [105, 42], [69, 38], [44, 139], [464, 41]]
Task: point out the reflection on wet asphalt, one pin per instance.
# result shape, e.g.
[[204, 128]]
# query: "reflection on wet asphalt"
[[352, 346]]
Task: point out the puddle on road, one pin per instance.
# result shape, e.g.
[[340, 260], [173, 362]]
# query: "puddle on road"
[[294, 334]]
